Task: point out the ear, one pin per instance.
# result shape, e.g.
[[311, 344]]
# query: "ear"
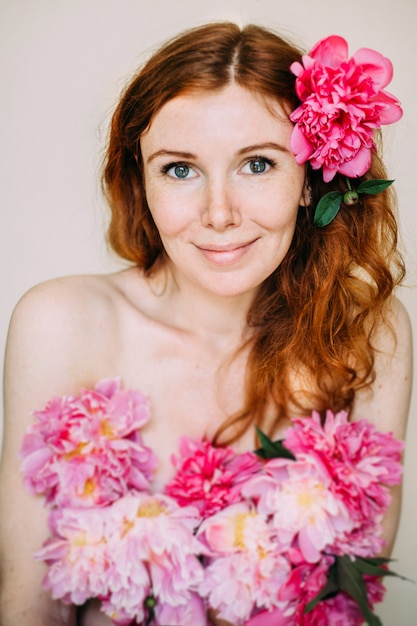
[[305, 198]]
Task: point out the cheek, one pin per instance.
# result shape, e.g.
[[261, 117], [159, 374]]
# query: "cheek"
[[168, 211], [277, 212]]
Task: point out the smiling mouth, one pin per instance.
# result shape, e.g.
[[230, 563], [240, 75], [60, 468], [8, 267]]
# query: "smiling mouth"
[[225, 254]]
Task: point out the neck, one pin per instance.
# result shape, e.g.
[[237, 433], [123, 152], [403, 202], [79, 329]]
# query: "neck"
[[221, 320]]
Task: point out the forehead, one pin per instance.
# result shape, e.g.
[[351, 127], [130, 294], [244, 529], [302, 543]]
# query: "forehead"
[[231, 112]]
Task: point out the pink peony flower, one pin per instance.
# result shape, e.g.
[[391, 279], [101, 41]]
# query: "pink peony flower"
[[209, 478], [138, 547], [298, 496], [153, 532], [360, 462], [87, 450], [245, 569], [343, 101], [77, 555]]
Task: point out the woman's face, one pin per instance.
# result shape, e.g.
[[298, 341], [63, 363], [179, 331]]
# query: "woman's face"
[[223, 188]]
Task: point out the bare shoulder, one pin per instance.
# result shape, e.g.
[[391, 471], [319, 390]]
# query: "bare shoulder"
[[398, 318], [62, 333], [63, 299], [69, 313], [387, 402]]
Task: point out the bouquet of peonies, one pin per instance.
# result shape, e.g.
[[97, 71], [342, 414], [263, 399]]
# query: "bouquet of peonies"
[[298, 546], [286, 535]]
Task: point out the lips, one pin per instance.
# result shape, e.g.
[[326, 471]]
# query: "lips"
[[225, 254]]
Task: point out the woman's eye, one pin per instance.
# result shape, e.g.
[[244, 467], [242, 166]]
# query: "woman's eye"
[[178, 170], [257, 166]]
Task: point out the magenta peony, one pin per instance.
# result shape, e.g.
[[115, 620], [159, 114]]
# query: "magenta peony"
[[343, 101], [209, 478]]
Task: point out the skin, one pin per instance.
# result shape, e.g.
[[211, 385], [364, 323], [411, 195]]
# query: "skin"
[[225, 226]]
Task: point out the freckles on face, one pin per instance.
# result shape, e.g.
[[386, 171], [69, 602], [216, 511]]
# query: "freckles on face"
[[222, 185]]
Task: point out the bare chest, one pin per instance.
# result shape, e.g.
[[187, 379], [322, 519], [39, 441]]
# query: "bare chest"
[[190, 388]]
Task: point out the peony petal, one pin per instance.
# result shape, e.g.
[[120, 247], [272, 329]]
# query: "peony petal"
[[358, 165], [391, 110], [331, 51], [296, 68], [378, 67], [35, 461], [300, 146], [270, 618], [108, 387], [328, 173]]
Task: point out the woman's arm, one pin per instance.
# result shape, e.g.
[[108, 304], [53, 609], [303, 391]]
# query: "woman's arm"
[[45, 357], [387, 403]]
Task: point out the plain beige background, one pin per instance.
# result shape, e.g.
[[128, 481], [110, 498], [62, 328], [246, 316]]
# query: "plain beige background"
[[63, 63]]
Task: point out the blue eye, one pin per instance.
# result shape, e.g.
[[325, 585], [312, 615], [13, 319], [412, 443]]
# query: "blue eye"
[[178, 170], [181, 171], [257, 165]]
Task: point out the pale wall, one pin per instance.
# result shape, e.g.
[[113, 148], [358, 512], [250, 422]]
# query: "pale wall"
[[63, 63]]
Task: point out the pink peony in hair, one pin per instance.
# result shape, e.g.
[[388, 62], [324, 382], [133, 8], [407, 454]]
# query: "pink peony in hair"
[[343, 101]]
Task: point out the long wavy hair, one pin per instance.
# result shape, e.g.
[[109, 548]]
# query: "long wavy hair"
[[317, 313]]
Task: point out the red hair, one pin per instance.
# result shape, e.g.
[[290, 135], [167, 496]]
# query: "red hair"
[[317, 312]]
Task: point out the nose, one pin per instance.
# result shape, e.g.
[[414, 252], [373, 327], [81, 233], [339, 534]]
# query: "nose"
[[220, 209]]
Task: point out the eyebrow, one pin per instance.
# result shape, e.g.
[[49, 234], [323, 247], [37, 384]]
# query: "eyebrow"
[[189, 155], [271, 145], [171, 153]]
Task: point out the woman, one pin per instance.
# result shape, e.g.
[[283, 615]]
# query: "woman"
[[237, 310]]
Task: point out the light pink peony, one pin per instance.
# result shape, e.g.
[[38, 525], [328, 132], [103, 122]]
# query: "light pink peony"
[[209, 478], [298, 496], [245, 569], [343, 101], [77, 555], [87, 450], [360, 462], [154, 533], [139, 546]]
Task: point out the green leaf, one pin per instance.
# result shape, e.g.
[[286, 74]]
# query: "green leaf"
[[347, 575], [373, 567], [330, 589], [272, 449], [350, 580], [374, 186], [327, 208]]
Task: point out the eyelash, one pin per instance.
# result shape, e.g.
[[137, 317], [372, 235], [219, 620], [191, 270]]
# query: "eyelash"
[[168, 166], [259, 157]]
